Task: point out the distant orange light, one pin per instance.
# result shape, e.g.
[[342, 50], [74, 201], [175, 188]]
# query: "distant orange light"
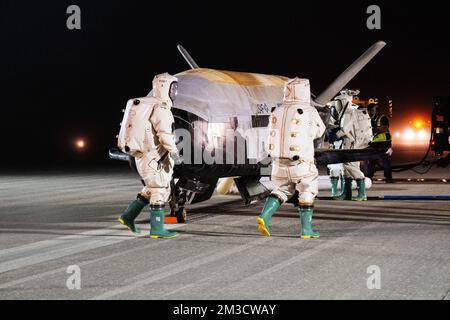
[[80, 144], [418, 124]]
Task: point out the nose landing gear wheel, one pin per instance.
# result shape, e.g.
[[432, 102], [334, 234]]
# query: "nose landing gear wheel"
[[180, 214]]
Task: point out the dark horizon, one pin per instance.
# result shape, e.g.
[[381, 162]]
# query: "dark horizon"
[[60, 85]]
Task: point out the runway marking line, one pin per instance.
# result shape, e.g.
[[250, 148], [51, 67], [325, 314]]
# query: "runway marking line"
[[38, 252], [112, 228]]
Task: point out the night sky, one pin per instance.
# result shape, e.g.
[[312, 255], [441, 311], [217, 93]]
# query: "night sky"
[[60, 85]]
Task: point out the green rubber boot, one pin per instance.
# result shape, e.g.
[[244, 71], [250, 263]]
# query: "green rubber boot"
[[307, 232], [361, 183], [334, 186], [270, 207], [134, 209], [157, 229], [346, 192]]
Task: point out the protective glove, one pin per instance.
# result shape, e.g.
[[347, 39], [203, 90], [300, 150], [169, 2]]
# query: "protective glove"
[[389, 152]]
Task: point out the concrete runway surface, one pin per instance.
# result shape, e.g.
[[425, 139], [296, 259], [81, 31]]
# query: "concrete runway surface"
[[52, 220]]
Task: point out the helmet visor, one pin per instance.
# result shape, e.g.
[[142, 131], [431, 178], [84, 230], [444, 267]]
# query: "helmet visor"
[[173, 91]]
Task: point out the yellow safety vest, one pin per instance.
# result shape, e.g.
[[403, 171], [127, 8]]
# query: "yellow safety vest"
[[381, 136]]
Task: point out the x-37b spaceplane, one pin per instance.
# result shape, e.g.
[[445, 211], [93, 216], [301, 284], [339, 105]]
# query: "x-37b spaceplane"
[[212, 103]]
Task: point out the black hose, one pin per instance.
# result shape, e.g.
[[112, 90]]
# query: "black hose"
[[411, 166]]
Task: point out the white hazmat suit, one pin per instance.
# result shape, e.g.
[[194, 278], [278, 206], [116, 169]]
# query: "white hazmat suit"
[[147, 135], [157, 176], [292, 130], [344, 105], [353, 129]]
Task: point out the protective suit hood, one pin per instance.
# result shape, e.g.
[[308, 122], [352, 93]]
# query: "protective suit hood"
[[164, 88], [297, 91], [345, 98]]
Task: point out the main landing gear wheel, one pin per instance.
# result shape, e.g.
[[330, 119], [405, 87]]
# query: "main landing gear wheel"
[[180, 214]]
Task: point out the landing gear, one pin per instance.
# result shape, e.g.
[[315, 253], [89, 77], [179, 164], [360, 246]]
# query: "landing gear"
[[180, 214], [177, 204]]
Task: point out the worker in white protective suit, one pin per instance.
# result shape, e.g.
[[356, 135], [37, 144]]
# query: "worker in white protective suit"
[[147, 134], [292, 130], [337, 169], [353, 136]]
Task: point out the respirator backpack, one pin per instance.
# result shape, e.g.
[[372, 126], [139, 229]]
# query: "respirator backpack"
[[136, 131], [363, 129]]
